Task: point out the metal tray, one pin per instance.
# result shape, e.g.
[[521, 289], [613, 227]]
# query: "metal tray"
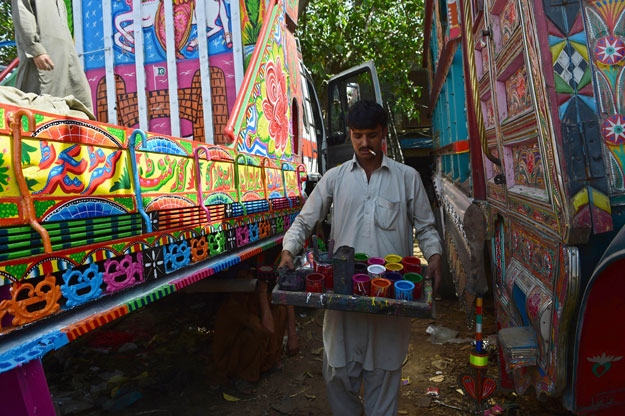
[[422, 308]]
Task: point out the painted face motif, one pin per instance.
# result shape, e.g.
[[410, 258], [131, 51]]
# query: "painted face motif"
[[366, 140]]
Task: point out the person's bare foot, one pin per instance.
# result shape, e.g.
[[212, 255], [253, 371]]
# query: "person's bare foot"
[[292, 344]]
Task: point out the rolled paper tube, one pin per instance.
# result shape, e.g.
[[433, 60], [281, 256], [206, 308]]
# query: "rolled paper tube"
[[379, 287], [361, 257], [314, 283], [362, 285], [393, 258], [375, 260], [394, 267], [376, 270], [404, 290], [417, 279]]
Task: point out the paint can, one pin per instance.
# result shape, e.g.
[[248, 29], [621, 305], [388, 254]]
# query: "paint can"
[[361, 258], [343, 262], [360, 268], [265, 273], [362, 285], [314, 283], [376, 270], [395, 267], [379, 287], [417, 279], [404, 290], [393, 277], [375, 260], [412, 264], [393, 258], [324, 266]]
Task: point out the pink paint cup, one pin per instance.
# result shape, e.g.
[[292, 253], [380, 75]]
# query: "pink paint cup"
[[412, 264], [314, 283], [375, 260], [362, 285], [379, 287]]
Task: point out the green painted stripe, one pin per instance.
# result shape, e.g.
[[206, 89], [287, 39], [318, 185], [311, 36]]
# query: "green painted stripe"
[[21, 253], [478, 360], [79, 243], [90, 221], [14, 230], [68, 237]]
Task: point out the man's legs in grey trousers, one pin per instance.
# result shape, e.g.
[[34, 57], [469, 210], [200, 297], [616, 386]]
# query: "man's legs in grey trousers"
[[381, 390]]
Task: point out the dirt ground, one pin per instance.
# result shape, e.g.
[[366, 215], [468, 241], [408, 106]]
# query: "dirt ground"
[[157, 361]]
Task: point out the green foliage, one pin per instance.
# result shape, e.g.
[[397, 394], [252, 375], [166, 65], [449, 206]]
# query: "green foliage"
[[8, 53], [42, 206], [337, 34], [26, 151], [123, 182]]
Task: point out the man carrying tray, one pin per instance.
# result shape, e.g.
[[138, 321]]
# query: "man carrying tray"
[[377, 202]]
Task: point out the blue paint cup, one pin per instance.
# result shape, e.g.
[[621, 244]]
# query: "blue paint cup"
[[404, 290]]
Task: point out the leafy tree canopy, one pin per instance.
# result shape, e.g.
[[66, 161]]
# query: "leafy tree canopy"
[[338, 34], [7, 54]]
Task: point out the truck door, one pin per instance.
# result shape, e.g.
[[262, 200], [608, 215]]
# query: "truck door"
[[344, 89]]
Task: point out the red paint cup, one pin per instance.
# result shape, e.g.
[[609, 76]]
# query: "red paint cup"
[[314, 282], [417, 279], [327, 270], [362, 285], [412, 264], [379, 287], [265, 273]]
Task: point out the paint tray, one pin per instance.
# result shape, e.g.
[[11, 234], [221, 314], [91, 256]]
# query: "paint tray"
[[420, 308]]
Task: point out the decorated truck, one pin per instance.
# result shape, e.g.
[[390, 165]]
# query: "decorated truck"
[[196, 162], [528, 116]]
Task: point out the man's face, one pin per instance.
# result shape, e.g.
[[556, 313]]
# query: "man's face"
[[364, 140]]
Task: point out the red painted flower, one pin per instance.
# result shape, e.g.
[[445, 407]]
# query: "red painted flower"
[[275, 105]]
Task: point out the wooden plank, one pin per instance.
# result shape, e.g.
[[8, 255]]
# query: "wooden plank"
[[380, 306]]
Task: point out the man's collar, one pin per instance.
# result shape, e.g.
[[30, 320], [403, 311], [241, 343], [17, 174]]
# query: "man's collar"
[[384, 164]]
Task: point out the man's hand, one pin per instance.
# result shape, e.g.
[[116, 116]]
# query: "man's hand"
[[43, 62], [434, 272], [286, 260]]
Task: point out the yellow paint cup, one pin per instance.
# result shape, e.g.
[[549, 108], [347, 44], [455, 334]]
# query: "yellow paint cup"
[[393, 258]]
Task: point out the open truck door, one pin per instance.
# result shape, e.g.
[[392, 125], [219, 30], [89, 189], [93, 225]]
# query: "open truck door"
[[357, 83]]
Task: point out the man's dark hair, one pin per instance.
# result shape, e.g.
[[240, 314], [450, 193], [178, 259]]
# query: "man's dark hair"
[[366, 114]]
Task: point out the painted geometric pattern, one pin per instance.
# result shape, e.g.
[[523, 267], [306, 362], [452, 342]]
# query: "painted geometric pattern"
[[518, 93], [529, 167], [606, 35], [509, 20], [570, 64]]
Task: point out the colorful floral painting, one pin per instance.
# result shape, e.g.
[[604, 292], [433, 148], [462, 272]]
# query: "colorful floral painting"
[[508, 21], [528, 165], [261, 121], [518, 93]]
